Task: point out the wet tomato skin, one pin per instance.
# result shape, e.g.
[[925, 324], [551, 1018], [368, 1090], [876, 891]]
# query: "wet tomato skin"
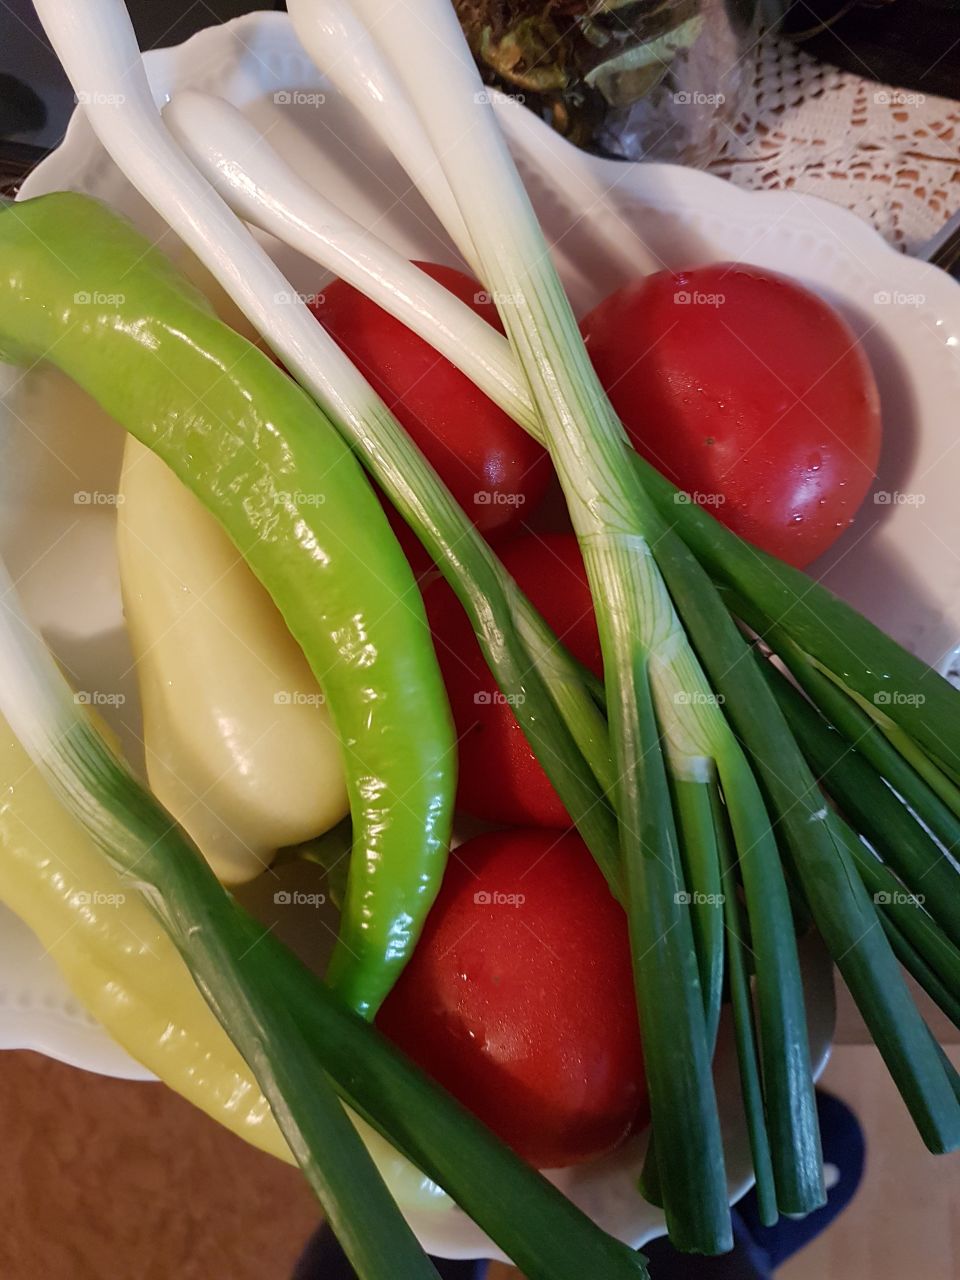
[[750, 393], [519, 998], [497, 473]]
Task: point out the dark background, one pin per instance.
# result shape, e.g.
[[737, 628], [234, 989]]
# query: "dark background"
[[911, 43], [35, 98], [914, 44]]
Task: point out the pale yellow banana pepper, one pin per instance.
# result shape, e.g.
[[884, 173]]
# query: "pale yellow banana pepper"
[[122, 966], [239, 744]]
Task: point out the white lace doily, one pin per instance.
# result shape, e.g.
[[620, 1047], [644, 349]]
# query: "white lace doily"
[[890, 155]]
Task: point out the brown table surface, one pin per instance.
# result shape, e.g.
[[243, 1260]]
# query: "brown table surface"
[[114, 1180]]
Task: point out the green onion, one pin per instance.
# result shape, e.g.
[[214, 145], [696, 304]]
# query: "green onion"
[[830, 630], [869, 804], [573, 751], [887, 748], [290, 1028], [939, 780], [848, 921], [820, 864], [802, 1183], [144, 844], [639, 632], [760, 728], [538, 687], [909, 916], [860, 655], [692, 801], [544, 1233], [910, 1052], [672, 656], [897, 920], [783, 796], [437, 316], [304, 219], [366, 80], [918, 968], [952, 1074], [241, 166], [744, 1027], [247, 173]]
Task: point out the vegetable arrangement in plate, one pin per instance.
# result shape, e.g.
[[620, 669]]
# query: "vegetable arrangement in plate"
[[616, 677]]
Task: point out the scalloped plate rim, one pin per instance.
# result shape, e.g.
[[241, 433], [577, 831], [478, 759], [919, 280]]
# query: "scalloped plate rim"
[[659, 186]]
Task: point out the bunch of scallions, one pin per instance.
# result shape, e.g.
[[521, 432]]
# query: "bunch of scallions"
[[729, 806]]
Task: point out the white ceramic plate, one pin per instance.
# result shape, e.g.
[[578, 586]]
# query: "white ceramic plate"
[[896, 563]]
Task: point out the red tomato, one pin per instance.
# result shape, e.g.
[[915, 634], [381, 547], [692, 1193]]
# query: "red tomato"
[[501, 779], [492, 467], [750, 393], [519, 998]]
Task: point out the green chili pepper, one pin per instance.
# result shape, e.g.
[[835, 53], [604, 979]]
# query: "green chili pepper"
[[81, 288]]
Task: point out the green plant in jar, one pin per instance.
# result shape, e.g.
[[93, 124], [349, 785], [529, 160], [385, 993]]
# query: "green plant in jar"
[[585, 64]]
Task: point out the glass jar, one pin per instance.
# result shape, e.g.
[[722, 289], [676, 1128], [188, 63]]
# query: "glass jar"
[[634, 79]]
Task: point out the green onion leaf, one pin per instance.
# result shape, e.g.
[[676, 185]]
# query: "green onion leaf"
[[869, 804], [143, 843], [291, 1029]]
